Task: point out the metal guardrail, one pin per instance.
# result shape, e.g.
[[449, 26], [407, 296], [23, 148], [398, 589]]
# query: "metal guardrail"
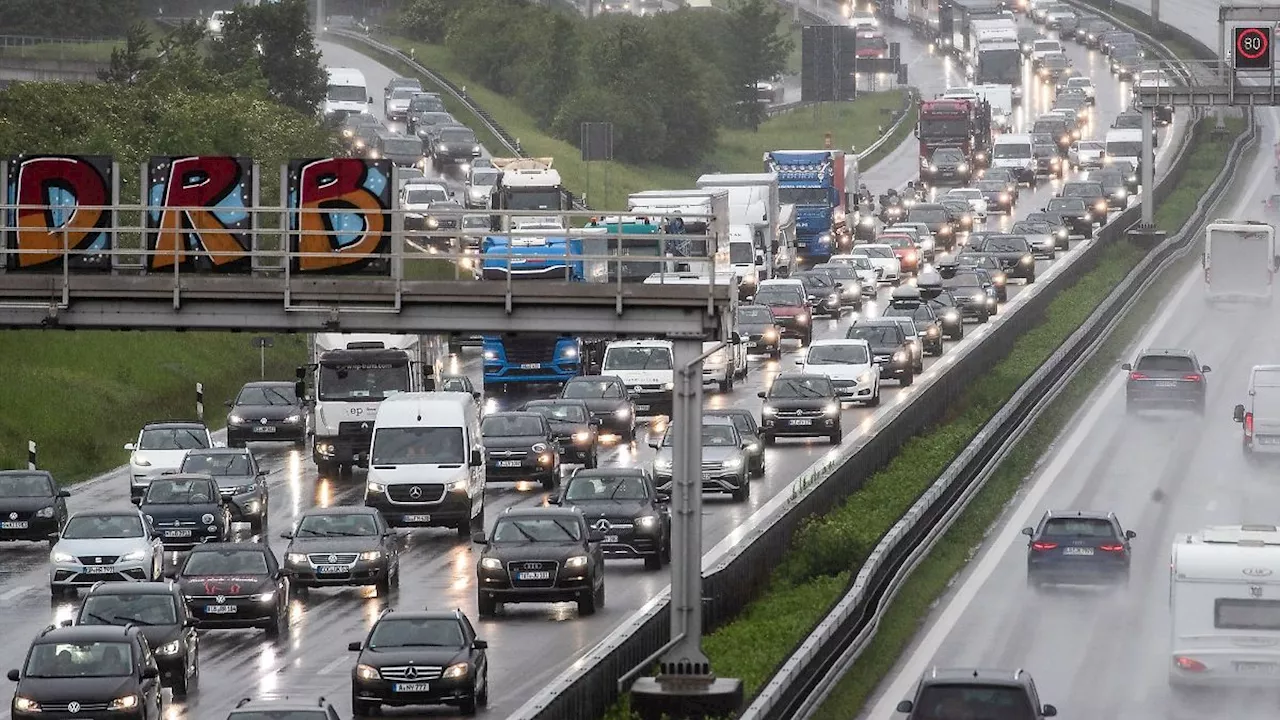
[[806, 679]]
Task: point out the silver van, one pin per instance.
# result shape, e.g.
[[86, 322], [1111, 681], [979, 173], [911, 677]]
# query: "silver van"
[[1260, 413]]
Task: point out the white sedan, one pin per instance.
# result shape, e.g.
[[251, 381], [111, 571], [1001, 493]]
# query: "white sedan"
[[850, 366], [974, 197], [883, 259]]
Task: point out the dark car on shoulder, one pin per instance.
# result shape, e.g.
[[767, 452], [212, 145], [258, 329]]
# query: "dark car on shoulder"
[[343, 545], [241, 482], [540, 555], [1114, 185], [576, 433], [609, 400], [98, 670], [1077, 548], [520, 446], [890, 347], [420, 657], [758, 325], [800, 405], [823, 295], [267, 411], [158, 609], [947, 166], [947, 693], [1093, 194], [284, 709], [993, 268], [1165, 378], [909, 302], [972, 295], [185, 510], [32, 506], [627, 508], [235, 585], [1013, 252], [748, 429]]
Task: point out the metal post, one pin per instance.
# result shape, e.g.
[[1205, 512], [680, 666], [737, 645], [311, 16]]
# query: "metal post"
[[1147, 166], [686, 511], [319, 18], [262, 361], [31, 454], [1155, 10], [200, 401]]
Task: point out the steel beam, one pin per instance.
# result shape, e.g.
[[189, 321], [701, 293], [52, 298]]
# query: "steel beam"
[[1208, 96], [1228, 13], [685, 657], [1147, 166]]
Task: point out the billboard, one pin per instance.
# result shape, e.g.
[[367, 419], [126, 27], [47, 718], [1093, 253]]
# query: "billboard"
[[71, 192], [342, 211], [199, 217]]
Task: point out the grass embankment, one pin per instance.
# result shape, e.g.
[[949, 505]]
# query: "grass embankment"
[[827, 551], [607, 184], [82, 395], [73, 50]]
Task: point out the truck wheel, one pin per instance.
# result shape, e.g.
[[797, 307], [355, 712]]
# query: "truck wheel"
[[325, 468]]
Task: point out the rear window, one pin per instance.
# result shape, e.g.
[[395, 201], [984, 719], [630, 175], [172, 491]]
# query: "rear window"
[[955, 702], [1166, 363], [1239, 614], [1080, 527]]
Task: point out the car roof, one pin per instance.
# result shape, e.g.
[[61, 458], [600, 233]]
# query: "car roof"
[[180, 477], [424, 614], [546, 402], [134, 588], [340, 510], [836, 341], [599, 378], [223, 546], [284, 704], [1165, 352], [268, 383], [716, 420], [874, 322], [220, 451], [106, 512], [727, 412], [985, 676], [793, 375], [16, 472], [514, 413], [87, 633], [184, 424], [561, 512], [1086, 514]]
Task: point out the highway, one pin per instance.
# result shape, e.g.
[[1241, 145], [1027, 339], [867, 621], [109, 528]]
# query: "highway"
[[530, 644], [1105, 654]]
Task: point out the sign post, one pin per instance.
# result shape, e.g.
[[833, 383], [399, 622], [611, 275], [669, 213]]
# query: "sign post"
[[262, 343]]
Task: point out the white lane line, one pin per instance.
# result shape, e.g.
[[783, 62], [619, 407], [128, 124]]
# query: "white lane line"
[[15, 592], [333, 666]]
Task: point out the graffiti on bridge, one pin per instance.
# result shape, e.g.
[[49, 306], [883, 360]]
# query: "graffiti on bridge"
[[60, 204], [199, 216], [342, 209]]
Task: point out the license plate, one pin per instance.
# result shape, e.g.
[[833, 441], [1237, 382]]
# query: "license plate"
[[99, 570], [1166, 384], [177, 533], [510, 463], [411, 687], [1261, 440], [264, 429], [1258, 668], [331, 569], [1077, 551], [14, 525], [802, 421], [752, 344], [417, 518], [531, 366], [611, 538], [220, 609], [534, 575], [641, 408]]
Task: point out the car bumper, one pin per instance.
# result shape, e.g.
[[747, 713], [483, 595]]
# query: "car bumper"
[[715, 374], [716, 481], [1070, 573], [361, 572], [789, 427], [187, 538], [34, 529], [525, 471], [646, 404], [792, 328], [453, 509], [759, 344], [566, 589], [574, 452], [270, 432], [172, 667], [975, 308], [852, 390], [894, 371], [248, 614], [1174, 398], [74, 575], [441, 691]]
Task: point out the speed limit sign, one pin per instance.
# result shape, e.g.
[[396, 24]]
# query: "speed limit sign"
[[1253, 48]]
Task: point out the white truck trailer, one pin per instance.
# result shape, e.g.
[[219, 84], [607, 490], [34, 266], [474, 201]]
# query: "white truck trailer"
[[1239, 261], [754, 201]]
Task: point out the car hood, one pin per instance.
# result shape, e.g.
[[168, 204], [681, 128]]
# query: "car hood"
[[600, 406], [885, 348], [509, 552], [265, 412], [754, 328], [596, 509], [788, 310], [565, 429], [425, 474], [25, 504], [1073, 213], [168, 511], [101, 546], [233, 481], [223, 584], [843, 371], [509, 442], [420, 656], [64, 690], [710, 453], [159, 459], [334, 544]]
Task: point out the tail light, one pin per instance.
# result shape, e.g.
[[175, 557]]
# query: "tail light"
[[1248, 424], [1137, 376], [1189, 664], [1042, 546], [1193, 377], [1111, 548]]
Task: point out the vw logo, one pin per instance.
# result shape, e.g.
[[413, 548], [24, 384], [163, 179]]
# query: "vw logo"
[[415, 492], [333, 558], [73, 707], [602, 525], [411, 673], [221, 599], [13, 516], [1256, 572], [264, 421]]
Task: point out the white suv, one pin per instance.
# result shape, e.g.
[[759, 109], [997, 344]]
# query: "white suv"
[[104, 545], [160, 447], [851, 366]]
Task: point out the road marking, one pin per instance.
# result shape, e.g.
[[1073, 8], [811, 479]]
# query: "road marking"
[[333, 667], [15, 592]]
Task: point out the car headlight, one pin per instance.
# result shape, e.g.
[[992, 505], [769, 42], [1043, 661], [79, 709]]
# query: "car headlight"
[[170, 648], [770, 334], [433, 224], [124, 702], [833, 298], [45, 512], [490, 355], [293, 419], [367, 672], [662, 463], [768, 411], [206, 518], [1004, 197], [265, 597], [944, 230], [933, 168], [802, 318], [865, 377], [899, 357], [622, 413], [832, 409], [371, 555], [824, 240], [575, 562], [1061, 232], [25, 704], [951, 316], [457, 670], [1027, 260], [296, 558], [962, 168], [731, 464], [539, 447], [1121, 193], [134, 555], [235, 419], [932, 331], [491, 563], [375, 487], [58, 556], [646, 522], [999, 279], [867, 221]]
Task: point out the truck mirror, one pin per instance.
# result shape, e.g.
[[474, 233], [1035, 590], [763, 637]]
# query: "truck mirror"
[[1237, 413], [477, 458], [300, 372]]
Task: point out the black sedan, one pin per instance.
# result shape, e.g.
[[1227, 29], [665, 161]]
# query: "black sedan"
[[960, 213], [1048, 159], [928, 326], [757, 324], [419, 657], [159, 610], [241, 482], [343, 545], [1165, 379], [266, 411], [1093, 194], [520, 446], [1075, 547], [235, 585], [1075, 212], [948, 166], [625, 506], [575, 431], [890, 347], [609, 401], [454, 145], [32, 507], [1013, 253], [801, 405], [823, 295], [186, 510], [997, 195], [540, 555]]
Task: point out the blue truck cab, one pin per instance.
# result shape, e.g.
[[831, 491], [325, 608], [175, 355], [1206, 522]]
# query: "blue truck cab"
[[814, 181], [530, 359]]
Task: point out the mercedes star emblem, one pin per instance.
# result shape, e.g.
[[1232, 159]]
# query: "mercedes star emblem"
[[73, 707], [415, 492], [333, 558], [221, 599], [411, 673], [602, 525]]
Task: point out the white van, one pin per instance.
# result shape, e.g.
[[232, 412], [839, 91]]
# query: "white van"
[[647, 368], [348, 93], [1124, 146], [1015, 152], [1224, 603], [426, 462], [1259, 415]]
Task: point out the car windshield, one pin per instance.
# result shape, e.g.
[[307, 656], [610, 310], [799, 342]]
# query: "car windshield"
[[532, 529], [122, 609], [965, 280], [79, 660], [838, 271], [402, 146], [174, 439], [598, 389], [959, 702], [1083, 190], [1043, 46], [1066, 205], [511, 426], [417, 632], [104, 527], [919, 313], [806, 387], [225, 563], [873, 252], [948, 156], [418, 446], [837, 354], [1004, 245], [454, 384], [895, 241], [875, 335], [624, 487], [755, 316], [1079, 527], [561, 413], [741, 421], [1031, 228], [992, 185], [179, 492], [218, 464], [317, 714], [927, 215], [741, 253], [966, 194], [630, 358], [1054, 61], [457, 136], [267, 395], [403, 93], [713, 435], [1166, 363], [485, 177], [18, 485], [426, 104], [780, 297], [337, 525], [425, 196], [347, 93], [814, 280]]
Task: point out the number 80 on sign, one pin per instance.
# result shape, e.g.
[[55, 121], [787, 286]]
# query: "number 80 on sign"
[[1252, 48]]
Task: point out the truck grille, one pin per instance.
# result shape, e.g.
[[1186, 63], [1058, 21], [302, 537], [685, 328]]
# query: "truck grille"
[[522, 349], [356, 429]]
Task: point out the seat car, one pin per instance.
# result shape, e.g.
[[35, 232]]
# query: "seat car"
[[977, 201], [520, 446], [609, 400], [1114, 185], [749, 430], [235, 585], [1077, 548], [32, 507], [976, 693], [157, 608], [161, 446], [936, 217], [626, 506], [850, 366], [241, 482], [342, 545], [800, 405], [574, 430], [540, 555], [1165, 378], [904, 248], [97, 545], [725, 460], [100, 670], [758, 326], [186, 510], [420, 657]]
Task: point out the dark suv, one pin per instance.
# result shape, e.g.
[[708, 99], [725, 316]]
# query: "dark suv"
[[749, 429], [1014, 253], [572, 426], [1077, 547], [1093, 194], [757, 324], [186, 509], [890, 347], [967, 692], [610, 403], [421, 657], [109, 670], [1075, 214], [31, 506], [520, 446], [159, 610], [1165, 379], [540, 555], [345, 545], [626, 507], [800, 405], [948, 166]]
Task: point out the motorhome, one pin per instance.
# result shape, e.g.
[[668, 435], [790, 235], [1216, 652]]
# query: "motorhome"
[[1239, 261], [347, 93]]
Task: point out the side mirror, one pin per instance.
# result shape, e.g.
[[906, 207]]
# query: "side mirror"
[[64, 493], [300, 388], [189, 622], [53, 537], [300, 372], [1129, 534], [595, 537], [662, 498], [129, 447], [554, 500], [1127, 366], [287, 534], [654, 443], [596, 422], [1237, 413], [370, 100], [353, 647], [14, 675], [905, 706], [1205, 369], [799, 362], [745, 444], [476, 395], [479, 645], [478, 538], [1049, 711], [477, 458], [229, 404], [150, 673], [136, 501], [761, 394], [1028, 531], [262, 472]]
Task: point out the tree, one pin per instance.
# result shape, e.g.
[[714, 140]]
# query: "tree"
[[428, 20], [277, 39], [130, 62], [758, 52]]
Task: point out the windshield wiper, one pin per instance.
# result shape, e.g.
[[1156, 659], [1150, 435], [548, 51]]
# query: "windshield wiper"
[[568, 533], [525, 533], [101, 619], [337, 533]]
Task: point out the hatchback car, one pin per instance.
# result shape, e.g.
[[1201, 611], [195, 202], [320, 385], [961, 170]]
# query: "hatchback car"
[[756, 323], [540, 555], [891, 346], [1076, 547], [609, 400], [1165, 379], [266, 411], [749, 429], [186, 510], [32, 507], [235, 585], [945, 693], [107, 669], [158, 609], [790, 308], [161, 446], [98, 545], [800, 405], [241, 482], [520, 446], [573, 428]]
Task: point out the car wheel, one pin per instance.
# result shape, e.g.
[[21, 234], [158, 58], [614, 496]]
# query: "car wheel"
[[758, 469], [875, 398], [654, 561], [182, 684], [548, 483], [983, 318], [744, 490], [468, 705], [593, 460], [726, 385], [486, 606], [906, 379], [587, 604], [768, 440], [276, 627], [1031, 279], [482, 693], [383, 585], [362, 708]]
